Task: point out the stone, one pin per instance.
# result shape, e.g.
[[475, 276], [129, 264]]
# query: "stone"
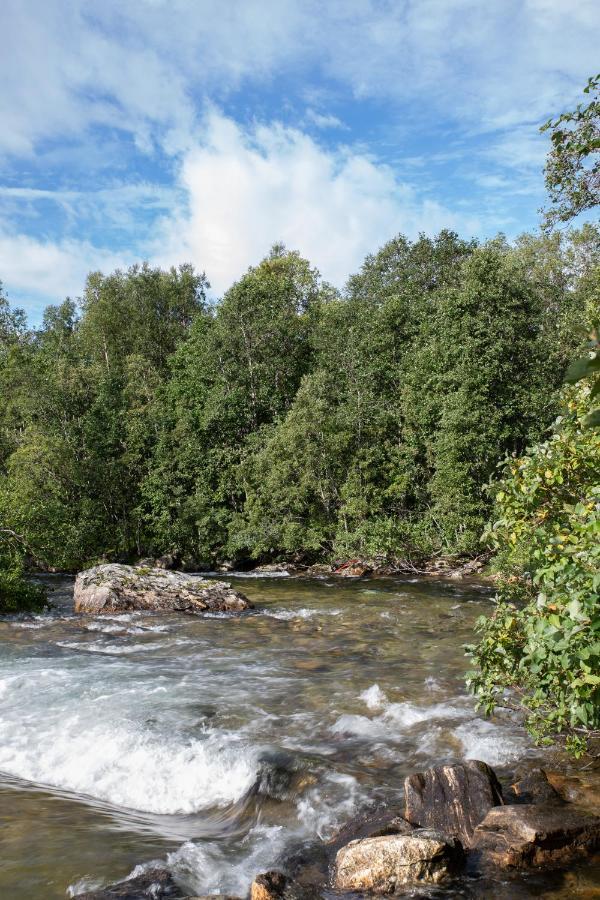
[[153, 884], [534, 787], [114, 588], [269, 886], [380, 865], [368, 825], [452, 799], [582, 789], [537, 835]]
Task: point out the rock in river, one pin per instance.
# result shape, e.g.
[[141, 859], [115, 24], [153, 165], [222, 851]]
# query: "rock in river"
[[115, 588], [537, 835], [453, 799], [380, 865], [153, 884]]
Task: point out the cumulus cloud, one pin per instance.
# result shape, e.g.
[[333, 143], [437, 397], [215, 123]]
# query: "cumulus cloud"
[[42, 272], [247, 189]]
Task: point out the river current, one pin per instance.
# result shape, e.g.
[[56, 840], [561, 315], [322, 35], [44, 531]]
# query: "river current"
[[219, 745]]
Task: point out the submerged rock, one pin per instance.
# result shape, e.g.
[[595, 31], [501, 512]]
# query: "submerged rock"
[[534, 787], [537, 835], [380, 865], [153, 884], [582, 789], [452, 799], [115, 588]]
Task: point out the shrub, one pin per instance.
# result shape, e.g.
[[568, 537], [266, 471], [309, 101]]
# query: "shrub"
[[540, 650]]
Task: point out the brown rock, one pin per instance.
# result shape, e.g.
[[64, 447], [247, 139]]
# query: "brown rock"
[[452, 799], [534, 787], [537, 835], [368, 825], [583, 789], [269, 886], [382, 864], [114, 588]]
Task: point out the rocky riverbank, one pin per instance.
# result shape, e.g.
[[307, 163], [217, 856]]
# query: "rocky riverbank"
[[456, 820]]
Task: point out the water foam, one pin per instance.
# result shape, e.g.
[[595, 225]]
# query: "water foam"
[[438, 724], [127, 767], [305, 613]]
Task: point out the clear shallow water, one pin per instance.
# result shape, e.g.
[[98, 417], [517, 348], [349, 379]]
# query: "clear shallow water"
[[220, 744]]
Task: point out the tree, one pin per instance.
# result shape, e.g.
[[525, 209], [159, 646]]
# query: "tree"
[[237, 374], [573, 163]]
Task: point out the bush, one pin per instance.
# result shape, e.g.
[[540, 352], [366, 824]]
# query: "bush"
[[17, 594], [540, 650]]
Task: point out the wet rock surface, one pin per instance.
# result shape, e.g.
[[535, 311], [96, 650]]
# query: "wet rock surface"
[[582, 789], [533, 787], [373, 824], [452, 799], [154, 884], [381, 865], [537, 835], [115, 588], [269, 886]]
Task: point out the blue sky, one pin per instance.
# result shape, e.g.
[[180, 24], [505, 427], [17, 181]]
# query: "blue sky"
[[204, 131]]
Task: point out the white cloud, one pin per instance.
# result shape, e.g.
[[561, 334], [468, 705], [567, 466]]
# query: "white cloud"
[[248, 189], [145, 66], [324, 121], [47, 271]]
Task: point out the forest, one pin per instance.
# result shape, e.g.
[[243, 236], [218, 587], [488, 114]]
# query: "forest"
[[287, 420]]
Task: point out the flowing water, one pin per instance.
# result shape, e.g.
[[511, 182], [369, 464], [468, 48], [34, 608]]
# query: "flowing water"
[[219, 745]]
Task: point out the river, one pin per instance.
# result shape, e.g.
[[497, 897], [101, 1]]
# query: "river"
[[220, 744]]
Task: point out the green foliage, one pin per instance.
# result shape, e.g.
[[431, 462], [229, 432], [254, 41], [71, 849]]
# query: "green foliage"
[[238, 372], [573, 163], [540, 650], [78, 413], [588, 366], [286, 420], [17, 593]]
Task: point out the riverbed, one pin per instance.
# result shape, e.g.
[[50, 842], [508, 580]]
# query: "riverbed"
[[220, 745]]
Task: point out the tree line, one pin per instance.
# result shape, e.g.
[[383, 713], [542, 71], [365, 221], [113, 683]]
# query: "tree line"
[[289, 420]]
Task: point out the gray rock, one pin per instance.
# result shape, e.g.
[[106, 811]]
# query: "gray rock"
[[537, 835], [114, 588], [453, 799], [381, 865]]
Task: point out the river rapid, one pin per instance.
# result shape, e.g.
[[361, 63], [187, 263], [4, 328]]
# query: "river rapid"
[[221, 745]]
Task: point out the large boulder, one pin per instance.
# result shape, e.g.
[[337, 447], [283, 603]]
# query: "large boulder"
[[537, 835], [116, 588], [381, 865], [452, 799]]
